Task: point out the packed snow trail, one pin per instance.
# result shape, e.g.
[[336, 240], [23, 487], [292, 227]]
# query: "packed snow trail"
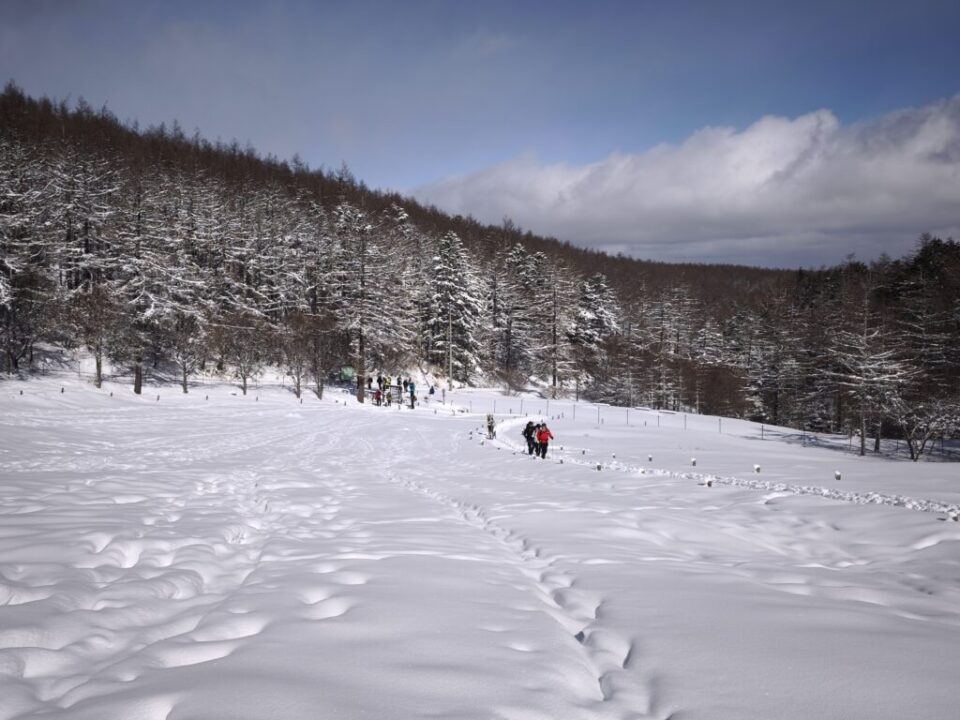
[[510, 428], [259, 558]]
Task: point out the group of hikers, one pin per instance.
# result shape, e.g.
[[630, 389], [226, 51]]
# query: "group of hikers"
[[538, 437], [385, 387]]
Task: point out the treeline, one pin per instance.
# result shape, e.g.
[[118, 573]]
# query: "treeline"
[[150, 247]]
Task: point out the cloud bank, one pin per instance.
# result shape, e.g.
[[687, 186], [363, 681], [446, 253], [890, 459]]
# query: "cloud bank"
[[782, 192]]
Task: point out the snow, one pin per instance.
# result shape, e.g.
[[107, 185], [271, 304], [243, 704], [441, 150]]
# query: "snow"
[[255, 557]]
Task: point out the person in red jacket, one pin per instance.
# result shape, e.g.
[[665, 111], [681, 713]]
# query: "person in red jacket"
[[544, 436]]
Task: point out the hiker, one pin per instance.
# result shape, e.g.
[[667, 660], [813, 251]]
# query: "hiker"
[[491, 427], [378, 397], [413, 398], [432, 390], [405, 383], [544, 436], [528, 432], [536, 443]]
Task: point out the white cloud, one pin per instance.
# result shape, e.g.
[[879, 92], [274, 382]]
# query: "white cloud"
[[801, 191]]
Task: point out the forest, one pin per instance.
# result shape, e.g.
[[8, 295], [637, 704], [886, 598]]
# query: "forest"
[[154, 250]]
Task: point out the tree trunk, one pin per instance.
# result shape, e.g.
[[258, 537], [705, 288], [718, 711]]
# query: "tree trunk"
[[98, 356], [138, 373], [554, 339], [361, 369], [243, 379], [183, 375], [863, 433]]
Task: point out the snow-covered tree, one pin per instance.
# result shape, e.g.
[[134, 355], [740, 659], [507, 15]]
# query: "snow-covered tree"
[[663, 377], [596, 319], [870, 371], [241, 338], [328, 346], [352, 284], [924, 421], [555, 359], [455, 311], [519, 310], [142, 281], [95, 316], [396, 291], [28, 291], [187, 343], [82, 186]]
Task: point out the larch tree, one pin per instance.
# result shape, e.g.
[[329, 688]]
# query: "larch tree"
[[515, 312], [353, 272], [455, 311], [597, 317], [870, 371], [556, 362], [28, 288]]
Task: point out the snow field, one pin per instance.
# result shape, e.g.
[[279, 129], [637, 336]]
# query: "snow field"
[[258, 558]]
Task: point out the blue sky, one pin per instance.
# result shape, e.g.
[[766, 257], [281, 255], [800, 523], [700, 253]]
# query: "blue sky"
[[432, 97]]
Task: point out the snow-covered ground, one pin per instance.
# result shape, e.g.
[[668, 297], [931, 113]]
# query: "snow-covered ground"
[[218, 556]]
